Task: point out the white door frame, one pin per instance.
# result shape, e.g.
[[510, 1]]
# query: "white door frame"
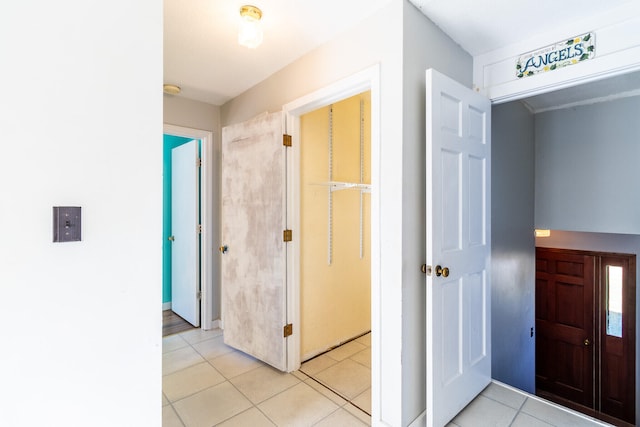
[[206, 218], [368, 79]]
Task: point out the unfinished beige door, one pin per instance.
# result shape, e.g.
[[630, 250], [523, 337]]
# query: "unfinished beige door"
[[253, 255]]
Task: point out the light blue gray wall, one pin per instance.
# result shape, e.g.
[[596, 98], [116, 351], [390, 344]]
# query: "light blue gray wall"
[[587, 170], [513, 248], [441, 53], [603, 242]]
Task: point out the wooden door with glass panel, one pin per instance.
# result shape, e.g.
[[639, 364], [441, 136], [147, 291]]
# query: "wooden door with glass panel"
[[585, 321]]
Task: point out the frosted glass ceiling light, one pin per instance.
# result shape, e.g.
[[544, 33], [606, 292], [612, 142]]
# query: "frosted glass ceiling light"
[[250, 34]]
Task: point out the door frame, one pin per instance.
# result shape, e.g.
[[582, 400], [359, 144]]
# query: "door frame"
[[570, 81], [368, 79], [207, 188]]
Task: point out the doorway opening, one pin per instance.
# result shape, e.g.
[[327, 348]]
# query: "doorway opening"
[[202, 297], [335, 226], [180, 219], [528, 178], [365, 81], [335, 247]]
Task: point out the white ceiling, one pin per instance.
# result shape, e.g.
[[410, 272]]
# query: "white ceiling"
[[202, 56], [588, 93], [480, 26]]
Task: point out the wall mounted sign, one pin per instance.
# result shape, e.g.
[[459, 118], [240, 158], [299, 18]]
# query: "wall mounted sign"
[[557, 55]]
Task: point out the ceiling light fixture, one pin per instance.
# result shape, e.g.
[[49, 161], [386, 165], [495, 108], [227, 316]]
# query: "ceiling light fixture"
[[250, 34], [171, 89]]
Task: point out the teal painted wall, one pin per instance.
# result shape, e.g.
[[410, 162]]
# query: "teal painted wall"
[[169, 142]]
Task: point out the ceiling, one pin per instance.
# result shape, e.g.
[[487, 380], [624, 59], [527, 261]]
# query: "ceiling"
[[588, 93], [202, 56]]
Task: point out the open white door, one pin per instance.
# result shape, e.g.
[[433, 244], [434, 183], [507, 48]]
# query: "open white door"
[[253, 260], [185, 256], [458, 246]]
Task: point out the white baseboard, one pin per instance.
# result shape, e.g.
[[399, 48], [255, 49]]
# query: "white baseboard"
[[215, 324], [166, 306], [421, 421]]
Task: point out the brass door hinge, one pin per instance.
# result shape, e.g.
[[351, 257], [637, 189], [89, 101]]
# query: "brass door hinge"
[[286, 140], [199, 228], [198, 162], [288, 330], [287, 235]]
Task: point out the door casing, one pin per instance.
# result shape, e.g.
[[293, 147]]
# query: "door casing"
[[368, 79], [207, 186]]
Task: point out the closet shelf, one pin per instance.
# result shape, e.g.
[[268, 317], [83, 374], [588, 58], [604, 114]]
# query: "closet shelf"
[[339, 185]]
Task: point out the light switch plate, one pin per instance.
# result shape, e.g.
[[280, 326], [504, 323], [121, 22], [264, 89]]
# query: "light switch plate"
[[67, 224]]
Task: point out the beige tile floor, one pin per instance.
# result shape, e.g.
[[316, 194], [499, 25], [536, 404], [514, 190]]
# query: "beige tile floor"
[[206, 383], [500, 405]]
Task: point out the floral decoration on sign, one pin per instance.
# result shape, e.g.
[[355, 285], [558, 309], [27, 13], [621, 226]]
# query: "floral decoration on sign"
[[558, 55]]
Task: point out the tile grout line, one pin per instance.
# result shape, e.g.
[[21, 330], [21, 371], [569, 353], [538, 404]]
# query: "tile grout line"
[[518, 411], [336, 392]]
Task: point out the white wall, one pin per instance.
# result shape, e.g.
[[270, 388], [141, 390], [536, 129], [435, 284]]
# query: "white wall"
[[82, 125], [202, 116], [587, 168]]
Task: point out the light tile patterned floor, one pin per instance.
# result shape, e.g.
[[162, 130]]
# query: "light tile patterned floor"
[[500, 405], [206, 383]]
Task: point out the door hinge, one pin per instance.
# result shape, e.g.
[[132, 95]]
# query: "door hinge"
[[287, 235], [288, 330], [198, 162], [199, 228], [199, 295], [286, 140]]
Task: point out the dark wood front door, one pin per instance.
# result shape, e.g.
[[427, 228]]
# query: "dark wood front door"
[[564, 321], [585, 321]]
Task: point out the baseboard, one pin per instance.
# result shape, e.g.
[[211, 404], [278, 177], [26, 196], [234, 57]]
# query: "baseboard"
[[421, 421], [215, 324], [166, 306]]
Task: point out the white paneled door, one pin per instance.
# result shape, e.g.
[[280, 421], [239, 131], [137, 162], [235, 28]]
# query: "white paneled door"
[[185, 254], [253, 253], [458, 246]]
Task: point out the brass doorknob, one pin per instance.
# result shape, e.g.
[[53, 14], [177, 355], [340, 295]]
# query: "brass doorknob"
[[171, 238], [223, 249], [440, 271], [587, 342]]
